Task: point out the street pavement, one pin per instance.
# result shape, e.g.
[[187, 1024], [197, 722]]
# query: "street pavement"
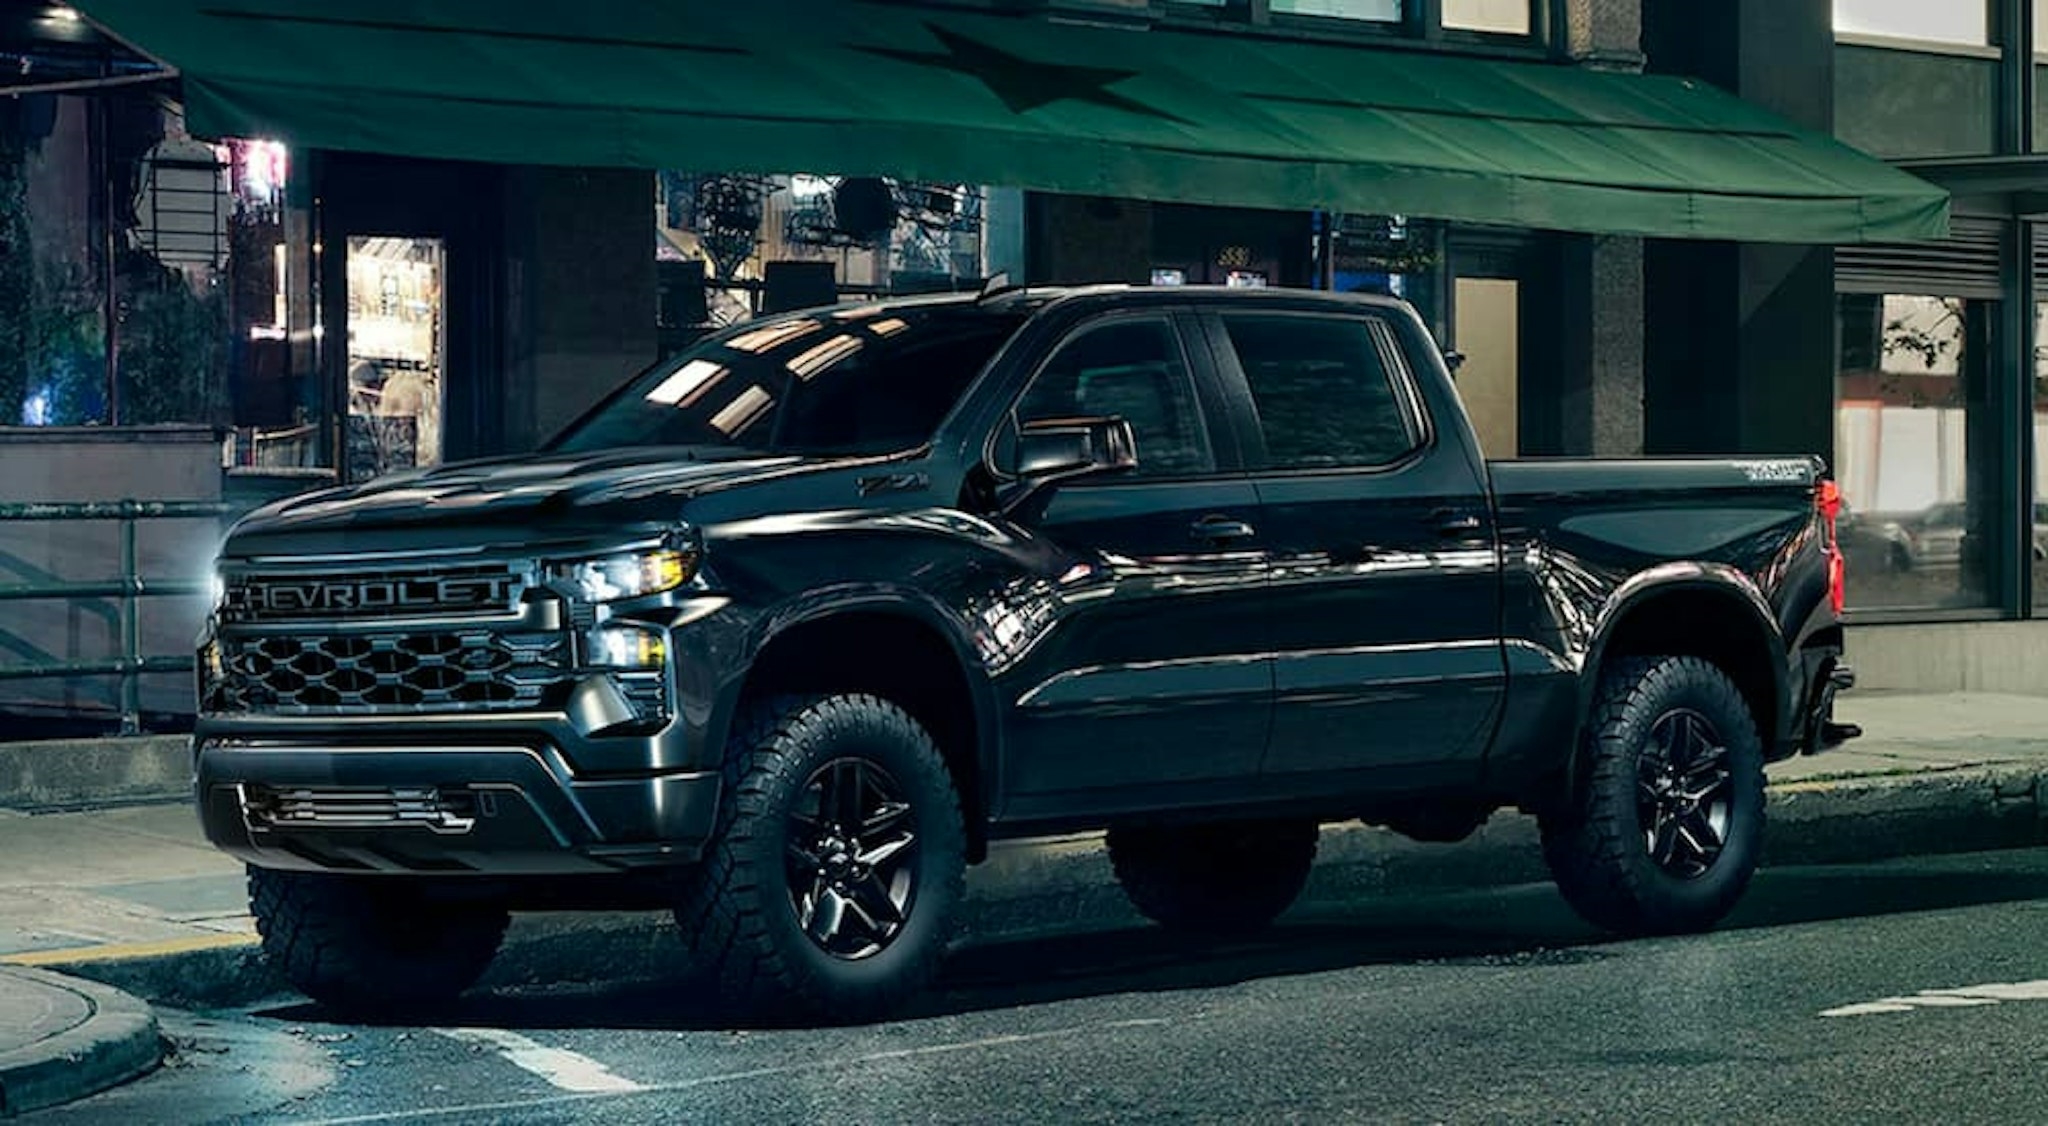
[[1913, 990], [132, 896]]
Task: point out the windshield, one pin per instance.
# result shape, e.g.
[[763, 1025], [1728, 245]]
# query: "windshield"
[[868, 380]]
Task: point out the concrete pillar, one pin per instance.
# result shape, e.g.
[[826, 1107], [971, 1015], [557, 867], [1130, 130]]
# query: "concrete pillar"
[[1741, 335], [579, 292], [1604, 33]]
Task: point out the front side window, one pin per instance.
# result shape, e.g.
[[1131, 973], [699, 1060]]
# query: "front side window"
[[1325, 391], [875, 380], [1131, 370]]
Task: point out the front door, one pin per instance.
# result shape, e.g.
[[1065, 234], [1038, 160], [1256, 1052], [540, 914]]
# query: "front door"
[[1147, 687], [1383, 612]]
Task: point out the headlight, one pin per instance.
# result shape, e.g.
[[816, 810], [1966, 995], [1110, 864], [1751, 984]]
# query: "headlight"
[[626, 647], [219, 592], [614, 577]]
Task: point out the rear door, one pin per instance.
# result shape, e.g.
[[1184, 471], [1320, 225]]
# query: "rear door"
[[1383, 608], [1149, 688]]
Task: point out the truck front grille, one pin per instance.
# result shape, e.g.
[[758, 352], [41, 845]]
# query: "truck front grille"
[[456, 670]]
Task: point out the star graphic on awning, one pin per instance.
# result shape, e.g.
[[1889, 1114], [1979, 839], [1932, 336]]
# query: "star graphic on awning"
[[1024, 84]]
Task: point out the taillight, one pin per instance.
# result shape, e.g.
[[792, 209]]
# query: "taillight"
[[1828, 499]]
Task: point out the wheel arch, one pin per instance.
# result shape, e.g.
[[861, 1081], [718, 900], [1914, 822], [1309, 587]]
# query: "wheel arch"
[[1713, 613], [903, 649]]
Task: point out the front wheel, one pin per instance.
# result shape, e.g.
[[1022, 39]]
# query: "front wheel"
[[372, 945], [1219, 879], [1666, 826], [830, 890]]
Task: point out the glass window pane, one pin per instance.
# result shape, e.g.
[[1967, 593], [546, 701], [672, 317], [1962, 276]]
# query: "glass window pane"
[[1911, 455], [1388, 11], [2040, 532], [53, 279], [1131, 371], [1953, 21], [1323, 392], [395, 351], [2041, 27], [1504, 17]]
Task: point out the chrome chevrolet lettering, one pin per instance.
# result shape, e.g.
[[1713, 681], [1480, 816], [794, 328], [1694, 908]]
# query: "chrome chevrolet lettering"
[[370, 595]]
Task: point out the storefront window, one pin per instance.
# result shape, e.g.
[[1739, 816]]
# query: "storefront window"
[[142, 275], [731, 246], [2038, 535], [1965, 22], [395, 345], [1500, 17], [1911, 447], [1385, 11]]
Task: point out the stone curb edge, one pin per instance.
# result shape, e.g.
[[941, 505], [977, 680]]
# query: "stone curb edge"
[[118, 1042], [1047, 885]]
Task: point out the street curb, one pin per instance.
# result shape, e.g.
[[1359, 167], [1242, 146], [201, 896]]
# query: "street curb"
[[58, 774], [1031, 888], [118, 1042]]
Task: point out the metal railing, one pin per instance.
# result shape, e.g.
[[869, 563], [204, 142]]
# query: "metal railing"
[[130, 587]]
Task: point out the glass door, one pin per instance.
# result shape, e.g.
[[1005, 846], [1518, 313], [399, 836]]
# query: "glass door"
[[397, 353], [1488, 334]]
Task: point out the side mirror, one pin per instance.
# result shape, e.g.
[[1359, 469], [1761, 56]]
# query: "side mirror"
[[1050, 450], [1058, 448]]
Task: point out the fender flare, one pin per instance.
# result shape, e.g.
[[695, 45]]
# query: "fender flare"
[[1716, 580], [823, 605]]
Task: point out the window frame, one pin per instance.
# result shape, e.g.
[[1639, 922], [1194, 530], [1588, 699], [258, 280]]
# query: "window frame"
[[1212, 409], [1420, 25], [1386, 338]]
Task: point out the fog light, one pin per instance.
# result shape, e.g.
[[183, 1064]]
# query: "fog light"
[[627, 647]]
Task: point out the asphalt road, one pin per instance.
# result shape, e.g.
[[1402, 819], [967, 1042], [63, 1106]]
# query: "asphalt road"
[[1496, 1007]]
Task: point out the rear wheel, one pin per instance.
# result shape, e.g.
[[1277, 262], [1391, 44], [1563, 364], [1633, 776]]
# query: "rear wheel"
[[1665, 830], [830, 890], [372, 945], [1226, 878]]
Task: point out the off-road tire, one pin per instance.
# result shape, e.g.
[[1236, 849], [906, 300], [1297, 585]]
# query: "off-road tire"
[[1217, 879], [372, 946], [1598, 847], [746, 936]]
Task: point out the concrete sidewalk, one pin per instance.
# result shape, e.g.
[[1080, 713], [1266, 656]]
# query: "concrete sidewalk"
[[132, 896]]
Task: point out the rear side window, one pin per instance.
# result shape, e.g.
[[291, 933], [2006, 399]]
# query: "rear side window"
[[1325, 390]]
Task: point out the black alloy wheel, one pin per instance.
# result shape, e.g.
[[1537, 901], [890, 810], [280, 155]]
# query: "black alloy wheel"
[[852, 858], [829, 890], [1664, 825], [1684, 793]]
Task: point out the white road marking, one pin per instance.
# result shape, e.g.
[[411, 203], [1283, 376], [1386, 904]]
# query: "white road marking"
[[474, 1109], [559, 1066], [1963, 996]]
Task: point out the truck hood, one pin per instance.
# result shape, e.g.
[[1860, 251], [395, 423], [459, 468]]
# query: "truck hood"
[[520, 491]]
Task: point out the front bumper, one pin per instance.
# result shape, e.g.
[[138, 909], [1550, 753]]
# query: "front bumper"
[[446, 810]]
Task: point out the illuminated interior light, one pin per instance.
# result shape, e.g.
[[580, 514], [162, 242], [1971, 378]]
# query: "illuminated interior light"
[[688, 384], [745, 410]]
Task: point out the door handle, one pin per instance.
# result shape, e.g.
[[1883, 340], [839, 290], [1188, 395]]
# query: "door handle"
[[1451, 524], [1217, 529]]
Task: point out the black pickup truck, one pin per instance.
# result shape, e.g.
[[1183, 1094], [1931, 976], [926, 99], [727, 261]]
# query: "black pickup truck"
[[783, 633]]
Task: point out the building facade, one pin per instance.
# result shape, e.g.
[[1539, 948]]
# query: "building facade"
[[339, 312]]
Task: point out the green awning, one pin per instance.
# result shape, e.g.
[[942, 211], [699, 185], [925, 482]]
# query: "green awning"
[[838, 86]]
